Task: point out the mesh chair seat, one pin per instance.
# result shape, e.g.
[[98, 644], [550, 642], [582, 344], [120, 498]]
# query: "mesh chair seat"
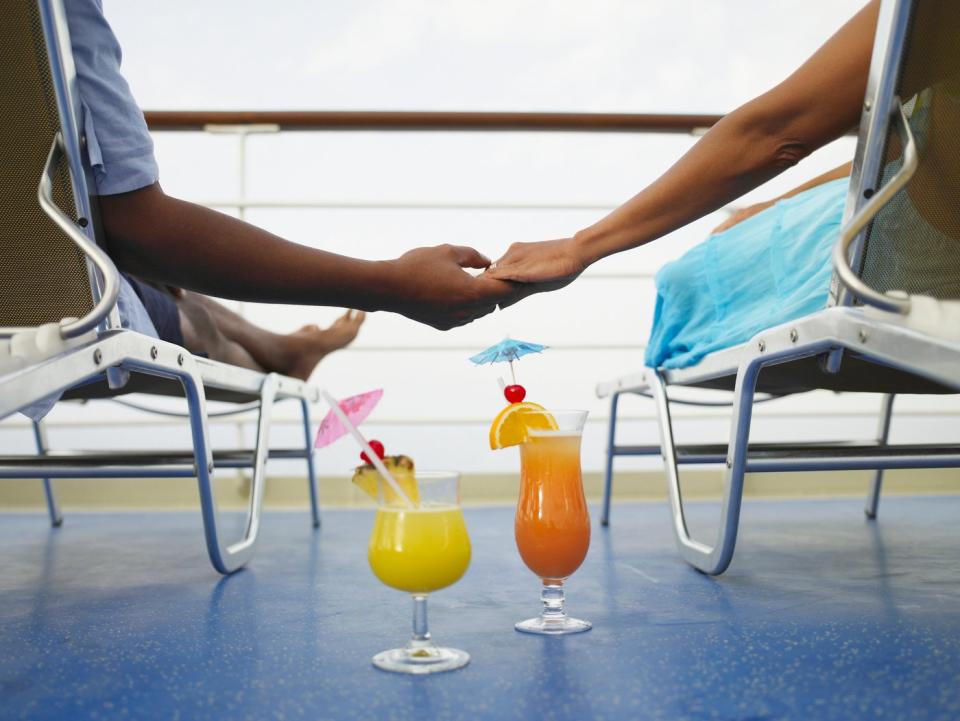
[[913, 243], [43, 276]]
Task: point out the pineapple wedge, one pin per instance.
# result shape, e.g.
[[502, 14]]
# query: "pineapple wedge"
[[367, 478]]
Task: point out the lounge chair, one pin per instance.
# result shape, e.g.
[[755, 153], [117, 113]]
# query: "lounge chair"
[[60, 331], [891, 325]]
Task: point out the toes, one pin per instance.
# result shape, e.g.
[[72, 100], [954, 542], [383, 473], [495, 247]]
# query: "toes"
[[351, 317]]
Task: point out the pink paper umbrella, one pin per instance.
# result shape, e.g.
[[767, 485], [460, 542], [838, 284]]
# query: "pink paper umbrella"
[[355, 408]]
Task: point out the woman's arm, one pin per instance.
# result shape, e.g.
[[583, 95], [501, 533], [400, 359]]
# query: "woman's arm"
[[818, 103]]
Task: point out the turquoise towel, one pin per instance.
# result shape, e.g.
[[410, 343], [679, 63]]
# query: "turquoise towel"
[[767, 270]]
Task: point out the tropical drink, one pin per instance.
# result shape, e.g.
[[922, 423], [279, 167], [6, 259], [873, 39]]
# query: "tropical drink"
[[419, 550], [552, 525], [418, 545]]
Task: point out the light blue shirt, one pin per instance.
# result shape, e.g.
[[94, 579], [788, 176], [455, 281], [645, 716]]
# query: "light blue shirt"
[[119, 146]]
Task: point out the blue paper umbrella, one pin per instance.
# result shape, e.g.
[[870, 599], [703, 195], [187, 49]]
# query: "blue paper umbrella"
[[507, 350]]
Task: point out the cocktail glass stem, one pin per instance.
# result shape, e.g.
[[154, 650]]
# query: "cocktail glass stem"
[[553, 620], [552, 597], [421, 641]]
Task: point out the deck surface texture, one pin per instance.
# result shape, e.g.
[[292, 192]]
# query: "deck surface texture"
[[823, 615]]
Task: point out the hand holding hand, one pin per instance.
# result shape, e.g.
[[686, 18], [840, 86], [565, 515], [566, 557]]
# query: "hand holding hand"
[[431, 286], [548, 264]]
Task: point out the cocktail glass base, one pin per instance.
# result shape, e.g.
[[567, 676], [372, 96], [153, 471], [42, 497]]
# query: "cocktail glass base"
[[553, 626], [432, 659]]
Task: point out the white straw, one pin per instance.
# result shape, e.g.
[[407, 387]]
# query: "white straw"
[[374, 458]]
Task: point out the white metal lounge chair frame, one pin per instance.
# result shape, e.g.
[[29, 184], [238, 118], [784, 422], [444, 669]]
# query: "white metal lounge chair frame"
[[842, 327], [116, 352]]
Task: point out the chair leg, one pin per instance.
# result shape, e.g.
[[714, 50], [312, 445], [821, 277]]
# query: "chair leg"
[[227, 559], [715, 559], [53, 508], [883, 433], [608, 471], [311, 469]]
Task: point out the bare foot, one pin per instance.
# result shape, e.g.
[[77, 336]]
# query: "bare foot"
[[310, 344]]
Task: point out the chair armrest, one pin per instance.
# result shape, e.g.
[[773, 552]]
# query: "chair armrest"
[[859, 221], [111, 277]]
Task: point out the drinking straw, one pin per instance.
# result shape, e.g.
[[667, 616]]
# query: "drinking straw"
[[374, 458]]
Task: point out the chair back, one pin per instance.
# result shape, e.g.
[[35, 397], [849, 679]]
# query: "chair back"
[[913, 243], [44, 275]]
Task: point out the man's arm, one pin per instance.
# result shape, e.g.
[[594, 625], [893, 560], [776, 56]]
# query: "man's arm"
[[164, 239], [815, 105], [740, 215]]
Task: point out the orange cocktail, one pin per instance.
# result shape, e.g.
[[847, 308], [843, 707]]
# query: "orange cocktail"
[[552, 525]]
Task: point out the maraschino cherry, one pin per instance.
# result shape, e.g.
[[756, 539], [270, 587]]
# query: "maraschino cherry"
[[514, 393], [377, 447]]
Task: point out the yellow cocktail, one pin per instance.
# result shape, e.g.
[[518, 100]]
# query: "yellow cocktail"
[[419, 550]]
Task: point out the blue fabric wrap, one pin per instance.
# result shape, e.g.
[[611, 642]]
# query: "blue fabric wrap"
[[769, 269]]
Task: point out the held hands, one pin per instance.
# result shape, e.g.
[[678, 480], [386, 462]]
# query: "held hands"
[[431, 286], [542, 266]]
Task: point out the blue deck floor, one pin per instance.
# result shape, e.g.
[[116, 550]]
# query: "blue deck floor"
[[821, 616]]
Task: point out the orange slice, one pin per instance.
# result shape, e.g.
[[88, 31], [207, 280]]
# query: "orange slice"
[[510, 427]]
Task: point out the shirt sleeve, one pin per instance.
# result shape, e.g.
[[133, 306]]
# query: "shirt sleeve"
[[119, 146]]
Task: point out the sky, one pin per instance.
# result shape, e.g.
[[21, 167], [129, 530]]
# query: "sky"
[[601, 55]]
